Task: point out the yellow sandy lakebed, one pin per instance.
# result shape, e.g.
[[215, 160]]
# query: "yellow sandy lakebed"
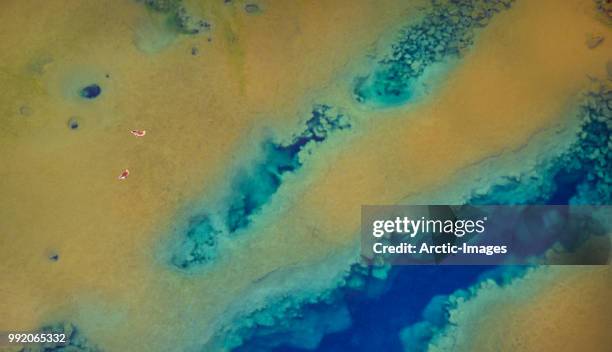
[[60, 193]]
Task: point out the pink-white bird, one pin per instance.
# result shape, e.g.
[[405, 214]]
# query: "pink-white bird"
[[124, 174], [138, 133]]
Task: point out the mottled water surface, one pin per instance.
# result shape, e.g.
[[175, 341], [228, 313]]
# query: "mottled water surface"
[[187, 175]]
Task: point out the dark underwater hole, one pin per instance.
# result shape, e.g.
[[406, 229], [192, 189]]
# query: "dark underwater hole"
[[91, 91]]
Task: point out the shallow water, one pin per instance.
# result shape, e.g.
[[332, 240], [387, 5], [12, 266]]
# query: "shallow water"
[[232, 150]]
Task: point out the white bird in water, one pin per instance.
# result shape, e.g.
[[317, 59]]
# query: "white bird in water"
[[138, 133]]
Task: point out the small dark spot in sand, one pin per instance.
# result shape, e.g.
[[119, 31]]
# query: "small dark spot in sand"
[[107, 75], [73, 123], [91, 91], [25, 110], [227, 1], [54, 257], [252, 8], [209, 39], [194, 51]]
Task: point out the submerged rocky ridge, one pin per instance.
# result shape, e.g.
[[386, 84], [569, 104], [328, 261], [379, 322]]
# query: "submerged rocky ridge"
[[252, 187], [578, 175], [450, 23], [178, 16], [229, 236], [445, 30]]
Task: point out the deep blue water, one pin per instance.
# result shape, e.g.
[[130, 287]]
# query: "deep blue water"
[[91, 91], [378, 321], [578, 176]]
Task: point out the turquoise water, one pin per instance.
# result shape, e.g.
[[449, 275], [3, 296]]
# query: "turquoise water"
[[371, 314], [252, 186], [414, 296], [371, 309], [445, 31]]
